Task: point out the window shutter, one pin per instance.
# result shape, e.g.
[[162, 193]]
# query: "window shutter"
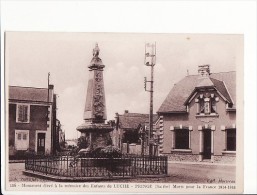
[[213, 105], [19, 112], [201, 106], [206, 108], [25, 108]]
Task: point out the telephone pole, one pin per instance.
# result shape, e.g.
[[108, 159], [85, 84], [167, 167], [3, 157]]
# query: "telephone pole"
[[150, 60]]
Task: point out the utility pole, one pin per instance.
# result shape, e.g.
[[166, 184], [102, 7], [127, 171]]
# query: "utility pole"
[[150, 60]]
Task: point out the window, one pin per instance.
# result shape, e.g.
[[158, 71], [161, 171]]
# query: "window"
[[22, 113], [181, 139], [21, 139], [19, 136], [206, 105], [24, 136], [231, 139]]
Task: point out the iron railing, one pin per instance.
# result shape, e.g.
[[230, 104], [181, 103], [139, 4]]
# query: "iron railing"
[[125, 166]]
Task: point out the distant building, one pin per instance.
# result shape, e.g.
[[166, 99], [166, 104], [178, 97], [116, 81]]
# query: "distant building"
[[61, 133], [71, 143], [131, 132], [60, 136], [32, 120], [198, 118]]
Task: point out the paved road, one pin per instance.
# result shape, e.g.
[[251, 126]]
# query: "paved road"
[[178, 173], [198, 173]]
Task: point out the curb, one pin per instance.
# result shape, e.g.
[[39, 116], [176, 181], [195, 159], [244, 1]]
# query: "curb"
[[83, 179], [16, 161]]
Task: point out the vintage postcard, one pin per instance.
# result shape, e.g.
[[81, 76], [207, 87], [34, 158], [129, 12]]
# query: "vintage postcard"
[[124, 112]]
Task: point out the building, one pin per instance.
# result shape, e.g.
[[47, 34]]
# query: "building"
[[32, 120], [131, 132], [198, 118], [61, 134]]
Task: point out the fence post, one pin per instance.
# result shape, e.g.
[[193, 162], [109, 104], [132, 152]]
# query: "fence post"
[[123, 169], [67, 165], [46, 164], [135, 166], [33, 163], [26, 162], [166, 162]]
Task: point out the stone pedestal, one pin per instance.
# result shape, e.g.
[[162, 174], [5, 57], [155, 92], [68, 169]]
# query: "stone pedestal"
[[95, 130], [97, 135]]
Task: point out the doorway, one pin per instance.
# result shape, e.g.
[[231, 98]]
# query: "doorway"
[[41, 143], [207, 144]]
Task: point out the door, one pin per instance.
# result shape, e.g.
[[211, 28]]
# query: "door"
[[41, 143], [207, 144], [21, 139]]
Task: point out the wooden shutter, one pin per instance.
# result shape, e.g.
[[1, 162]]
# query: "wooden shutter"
[[25, 116], [20, 114]]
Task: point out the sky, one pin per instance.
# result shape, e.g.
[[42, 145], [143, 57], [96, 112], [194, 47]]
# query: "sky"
[[31, 55]]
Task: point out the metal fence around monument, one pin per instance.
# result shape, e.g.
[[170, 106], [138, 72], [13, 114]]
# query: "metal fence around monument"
[[125, 166]]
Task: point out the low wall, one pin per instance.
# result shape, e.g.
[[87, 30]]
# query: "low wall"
[[188, 157], [131, 148], [183, 157], [226, 158]]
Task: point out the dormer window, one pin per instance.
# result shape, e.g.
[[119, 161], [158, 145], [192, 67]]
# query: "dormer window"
[[206, 105]]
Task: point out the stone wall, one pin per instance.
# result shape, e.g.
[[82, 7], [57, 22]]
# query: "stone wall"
[[222, 159], [226, 159], [183, 157]]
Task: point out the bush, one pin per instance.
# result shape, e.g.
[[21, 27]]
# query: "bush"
[[30, 152], [107, 152], [82, 142]]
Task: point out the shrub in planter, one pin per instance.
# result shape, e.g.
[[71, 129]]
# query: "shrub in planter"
[[112, 152], [12, 150], [29, 153], [108, 157]]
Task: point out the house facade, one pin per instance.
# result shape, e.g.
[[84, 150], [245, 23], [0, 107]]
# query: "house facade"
[[198, 118], [31, 120], [131, 132]]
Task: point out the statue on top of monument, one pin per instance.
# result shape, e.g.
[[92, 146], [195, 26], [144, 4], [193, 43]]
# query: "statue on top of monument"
[[96, 50]]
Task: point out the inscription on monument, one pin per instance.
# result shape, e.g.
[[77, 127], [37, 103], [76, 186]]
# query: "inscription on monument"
[[98, 96]]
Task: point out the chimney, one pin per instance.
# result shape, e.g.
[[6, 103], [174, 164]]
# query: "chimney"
[[126, 111], [204, 70]]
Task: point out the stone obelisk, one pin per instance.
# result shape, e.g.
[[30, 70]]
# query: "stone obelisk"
[[94, 129]]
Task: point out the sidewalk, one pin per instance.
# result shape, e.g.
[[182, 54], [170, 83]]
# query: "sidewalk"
[[200, 163], [16, 161]]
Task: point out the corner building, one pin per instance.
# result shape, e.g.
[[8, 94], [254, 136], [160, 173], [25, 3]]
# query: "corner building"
[[32, 120], [198, 118]]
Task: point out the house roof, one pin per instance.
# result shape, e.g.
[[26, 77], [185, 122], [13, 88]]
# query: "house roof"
[[133, 120], [29, 94], [224, 82], [220, 86]]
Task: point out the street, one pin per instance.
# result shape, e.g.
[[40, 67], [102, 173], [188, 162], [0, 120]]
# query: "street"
[[177, 173]]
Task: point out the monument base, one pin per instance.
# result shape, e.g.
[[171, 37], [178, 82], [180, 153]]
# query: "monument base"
[[97, 135]]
